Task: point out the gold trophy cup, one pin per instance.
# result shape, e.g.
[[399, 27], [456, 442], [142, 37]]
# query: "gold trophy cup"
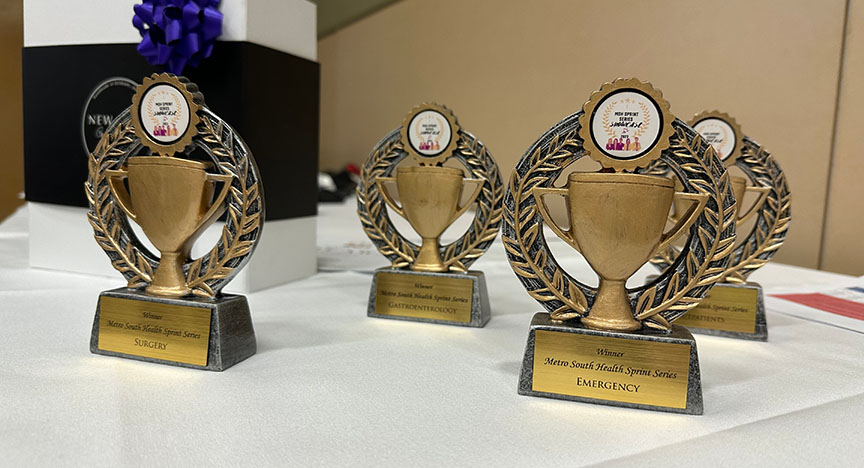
[[430, 202], [430, 159], [609, 344], [172, 309], [172, 200], [616, 222]]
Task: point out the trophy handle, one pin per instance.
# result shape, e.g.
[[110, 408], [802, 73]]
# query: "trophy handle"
[[685, 220], [121, 194], [470, 201], [539, 192], [757, 205], [386, 195], [217, 207]]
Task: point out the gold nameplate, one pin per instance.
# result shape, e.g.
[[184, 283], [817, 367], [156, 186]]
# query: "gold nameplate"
[[613, 369], [724, 308], [427, 297], [154, 330]]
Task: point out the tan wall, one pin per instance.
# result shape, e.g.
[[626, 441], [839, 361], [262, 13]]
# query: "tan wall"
[[11, 150], [844, 227], [510, 69]]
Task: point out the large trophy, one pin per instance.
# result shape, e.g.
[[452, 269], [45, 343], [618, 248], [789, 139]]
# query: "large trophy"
[[433, 160], [612, 344], [173, 167], [735, 307]]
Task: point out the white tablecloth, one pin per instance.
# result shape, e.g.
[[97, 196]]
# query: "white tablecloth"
[[330, 386]]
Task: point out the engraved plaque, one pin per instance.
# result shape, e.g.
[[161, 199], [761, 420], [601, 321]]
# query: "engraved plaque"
[[611, 368], [725, 308], [428, 297], [154, 330]]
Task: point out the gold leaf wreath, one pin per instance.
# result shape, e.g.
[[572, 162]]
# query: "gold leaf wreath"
[[681, 296], [767, 237], [103, 217], [554, 285], [200, 276], [401, 252], [130, 261], [768, 233]]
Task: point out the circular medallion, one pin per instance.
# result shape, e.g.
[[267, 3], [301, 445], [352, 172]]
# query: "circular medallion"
[[108, 99], [165, 113], [722, 132], [430, 133], [626, 124]]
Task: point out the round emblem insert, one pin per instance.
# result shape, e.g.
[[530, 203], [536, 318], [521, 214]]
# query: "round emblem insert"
[[722, 132], [626, 124], [164, 113], [430, 133]]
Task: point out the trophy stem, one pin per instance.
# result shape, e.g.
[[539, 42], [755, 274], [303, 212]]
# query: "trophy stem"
[[168, 279], [611, 308], [429, 257]]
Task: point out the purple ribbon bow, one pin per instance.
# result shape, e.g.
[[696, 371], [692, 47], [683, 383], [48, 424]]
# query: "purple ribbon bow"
[[176, 33]]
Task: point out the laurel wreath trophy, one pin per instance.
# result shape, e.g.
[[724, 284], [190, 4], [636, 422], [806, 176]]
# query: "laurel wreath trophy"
[[173, 167], [430, 159], [735, 308], [613, 344]]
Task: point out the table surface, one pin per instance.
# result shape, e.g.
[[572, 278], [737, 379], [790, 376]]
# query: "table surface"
[[330, 386]]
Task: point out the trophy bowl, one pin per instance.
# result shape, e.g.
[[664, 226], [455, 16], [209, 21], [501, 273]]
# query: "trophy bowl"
[[617, 222], [430, 202], [172, 200]]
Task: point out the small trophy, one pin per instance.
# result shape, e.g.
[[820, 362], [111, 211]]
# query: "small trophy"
[[433, 159], [736, 308], [173, 167], [612, 344]]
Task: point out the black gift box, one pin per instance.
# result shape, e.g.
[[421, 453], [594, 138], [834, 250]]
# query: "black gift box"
[[269, 97]]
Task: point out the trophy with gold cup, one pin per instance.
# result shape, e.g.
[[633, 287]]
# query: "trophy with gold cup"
[[430, 161], [173, 167], [613, 344], [735, 307]]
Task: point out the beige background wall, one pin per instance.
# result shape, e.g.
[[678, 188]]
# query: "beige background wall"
[[510, 69], [844, 228]]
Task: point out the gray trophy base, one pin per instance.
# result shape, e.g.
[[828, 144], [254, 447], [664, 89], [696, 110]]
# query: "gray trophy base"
[[480, 309], [232, 338], [761, 331], [678, 334]]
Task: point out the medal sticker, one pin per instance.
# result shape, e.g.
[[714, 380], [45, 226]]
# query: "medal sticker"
[[722, 132], [430, 133], [164, 114], [626, 124]]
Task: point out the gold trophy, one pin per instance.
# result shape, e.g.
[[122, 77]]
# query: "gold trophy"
[[612, 344], [430, 282], [735, 308], [172, 310]]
